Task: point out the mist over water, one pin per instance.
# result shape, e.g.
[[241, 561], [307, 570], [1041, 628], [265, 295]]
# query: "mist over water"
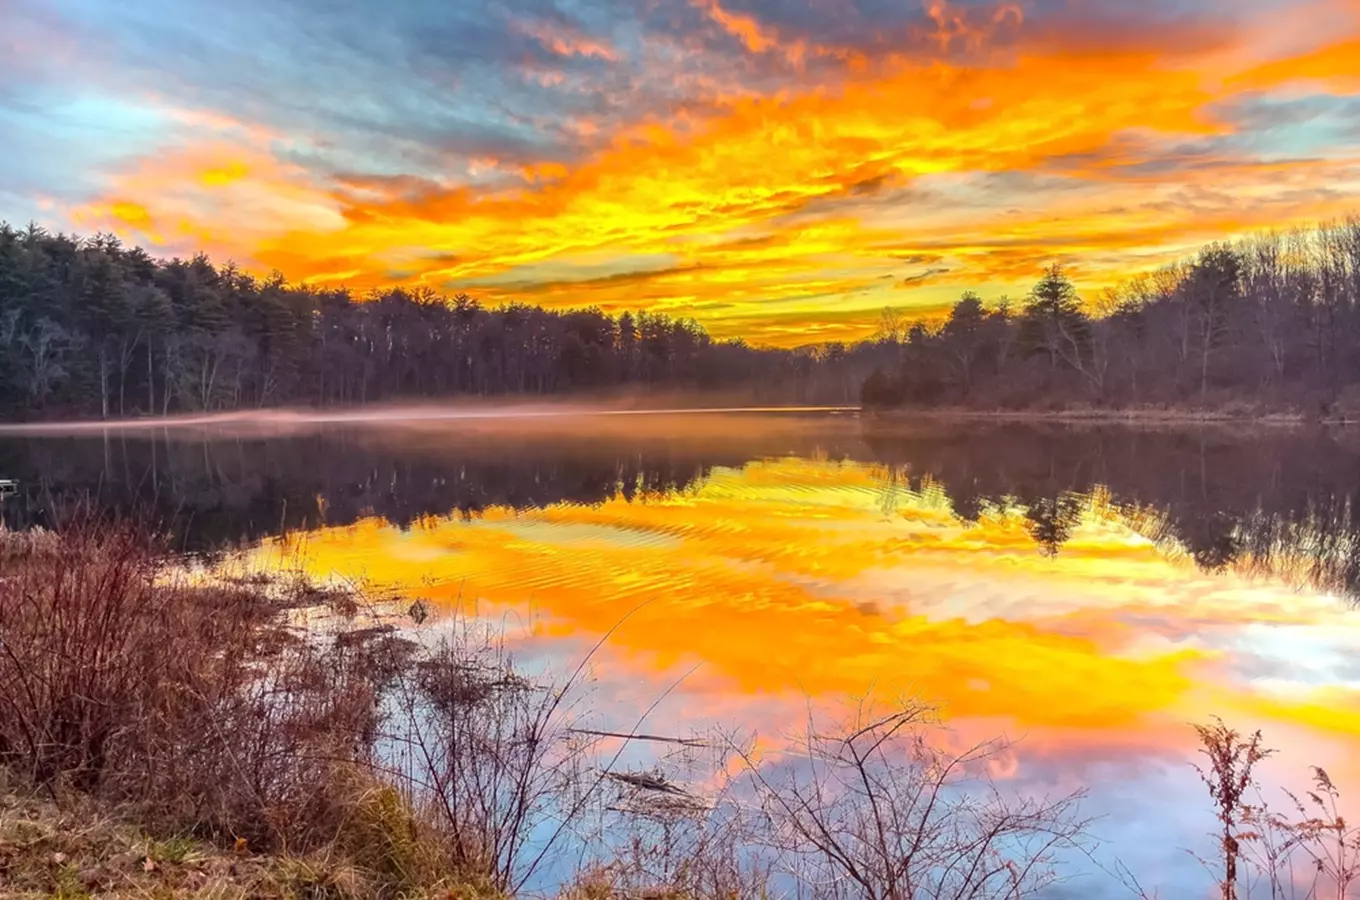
[[1089, 590], [265, 420]]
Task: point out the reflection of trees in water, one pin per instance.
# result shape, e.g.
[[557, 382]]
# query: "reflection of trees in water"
[[224, 493], [893, 482], [1267, 501], [1279, 502], [1320, 549], [231, 489], [1212, 538], [1050, 520]]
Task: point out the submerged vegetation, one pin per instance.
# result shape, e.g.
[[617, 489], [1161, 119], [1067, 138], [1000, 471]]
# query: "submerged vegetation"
[[161, 736]]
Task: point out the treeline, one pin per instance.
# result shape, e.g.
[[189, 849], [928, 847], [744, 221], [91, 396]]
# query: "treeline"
[[1269, 322], [90, 327]]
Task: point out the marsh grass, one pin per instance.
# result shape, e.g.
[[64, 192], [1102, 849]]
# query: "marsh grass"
[[195, 711]]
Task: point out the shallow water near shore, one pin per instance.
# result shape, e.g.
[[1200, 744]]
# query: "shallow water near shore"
[[1085, 591]]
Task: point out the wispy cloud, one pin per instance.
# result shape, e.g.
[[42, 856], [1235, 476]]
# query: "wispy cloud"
[[772, 150]]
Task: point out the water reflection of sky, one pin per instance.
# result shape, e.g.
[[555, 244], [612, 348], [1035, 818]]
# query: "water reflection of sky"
[[791, 580]]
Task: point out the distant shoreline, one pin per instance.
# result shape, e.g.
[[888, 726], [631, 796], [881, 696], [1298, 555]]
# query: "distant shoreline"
[[304, 417], [1134, 416]]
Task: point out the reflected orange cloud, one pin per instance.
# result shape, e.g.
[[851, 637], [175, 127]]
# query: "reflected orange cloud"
[[783, 214], [792, 579]]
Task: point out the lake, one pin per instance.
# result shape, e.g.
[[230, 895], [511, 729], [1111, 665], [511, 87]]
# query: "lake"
[[1087, 591]]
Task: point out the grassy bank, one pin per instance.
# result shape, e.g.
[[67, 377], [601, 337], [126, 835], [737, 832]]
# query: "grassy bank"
[[168, 737], [80, 848]]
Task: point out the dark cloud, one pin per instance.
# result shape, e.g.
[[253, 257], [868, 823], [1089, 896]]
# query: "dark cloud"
[[914, 259], [552, 286], [834, 32], [922, 278]]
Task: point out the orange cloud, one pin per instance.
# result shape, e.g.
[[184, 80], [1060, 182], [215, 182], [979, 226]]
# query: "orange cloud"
[[563, 42], [1336, 65], [225, 197], [780, 213], [756, 37]]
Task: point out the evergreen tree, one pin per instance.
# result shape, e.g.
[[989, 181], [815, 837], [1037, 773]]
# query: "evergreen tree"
[[1053, 324]]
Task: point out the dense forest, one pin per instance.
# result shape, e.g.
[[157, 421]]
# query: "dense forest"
[[1267, 323], [91, 328]]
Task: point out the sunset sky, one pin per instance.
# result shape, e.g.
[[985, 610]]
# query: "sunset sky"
[[780, 169]]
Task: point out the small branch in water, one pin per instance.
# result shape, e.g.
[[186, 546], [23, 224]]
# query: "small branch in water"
[[646, 781], [658, 738]]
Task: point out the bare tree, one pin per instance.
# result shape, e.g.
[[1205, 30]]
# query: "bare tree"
[[1265, 286], [873, 809], [1214, 286], [892, 326], [45, 345], [965, 337]]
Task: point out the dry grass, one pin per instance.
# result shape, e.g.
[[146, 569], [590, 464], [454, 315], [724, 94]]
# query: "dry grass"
[[160, 738], [120, 682], [16, 546], [82, 849], [129, 694], [1307, 854], [86, 685]]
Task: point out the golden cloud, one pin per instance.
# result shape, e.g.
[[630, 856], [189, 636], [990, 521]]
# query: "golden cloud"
[[780, 205]]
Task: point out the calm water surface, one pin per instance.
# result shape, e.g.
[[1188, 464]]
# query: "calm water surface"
[[1087, 591]]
